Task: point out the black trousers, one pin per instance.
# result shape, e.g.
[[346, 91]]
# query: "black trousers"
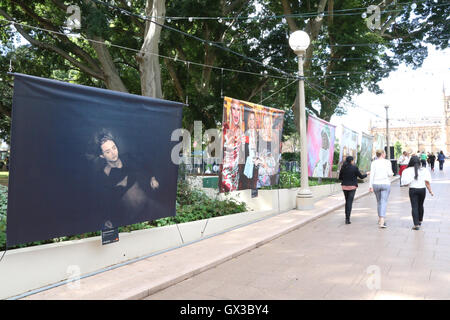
[[432, 165], [417, 198], [349, 196], [424, 163]]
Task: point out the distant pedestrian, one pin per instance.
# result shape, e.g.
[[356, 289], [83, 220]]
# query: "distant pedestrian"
[[418, 179], [349, 174], [423, 159], [380, 172], [403, 162], [441, 159], [432, 159]]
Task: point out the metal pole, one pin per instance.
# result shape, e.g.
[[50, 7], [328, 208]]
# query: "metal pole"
[[388, 151], [304, 191]]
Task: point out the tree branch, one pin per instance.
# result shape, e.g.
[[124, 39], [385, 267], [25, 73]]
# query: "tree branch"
[[53, 48], [233, 5], [258, 88], [388, 23], [175, 79], [287, 12], [71, 46]]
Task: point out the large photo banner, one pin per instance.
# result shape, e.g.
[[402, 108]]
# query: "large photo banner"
[[321, 136], [380, 142], [348, 144], [85, 159], [366, 152], [251, 145]]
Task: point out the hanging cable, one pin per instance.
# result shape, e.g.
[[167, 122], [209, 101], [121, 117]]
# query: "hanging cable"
[[318, 88], [278, 91], [187, 82], [148, 52], [3, 255], [146, 18], [221, 82], [339, 12]]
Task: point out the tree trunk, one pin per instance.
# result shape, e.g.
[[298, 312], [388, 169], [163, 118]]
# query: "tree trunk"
[[148, 59], [110, 75]]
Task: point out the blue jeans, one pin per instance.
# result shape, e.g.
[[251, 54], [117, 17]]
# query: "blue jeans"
[[382, 194]]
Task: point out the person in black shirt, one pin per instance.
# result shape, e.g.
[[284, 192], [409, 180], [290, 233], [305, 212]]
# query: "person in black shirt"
[[126, 187], [432, 159], [349, 174]]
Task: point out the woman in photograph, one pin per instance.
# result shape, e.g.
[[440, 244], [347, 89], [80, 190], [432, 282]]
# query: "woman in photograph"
[[265, 161], [380, 184], [348, 175], [233, 140], [123, 178], [322, 166], [248, 178], [418, 179]]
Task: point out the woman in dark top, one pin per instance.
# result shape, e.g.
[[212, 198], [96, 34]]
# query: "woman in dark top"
[[349, 174]]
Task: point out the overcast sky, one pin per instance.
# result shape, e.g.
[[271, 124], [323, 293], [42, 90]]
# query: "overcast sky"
[[408, 92]]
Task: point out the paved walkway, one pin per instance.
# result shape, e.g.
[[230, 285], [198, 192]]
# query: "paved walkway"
[[326, 259], [298, 255]]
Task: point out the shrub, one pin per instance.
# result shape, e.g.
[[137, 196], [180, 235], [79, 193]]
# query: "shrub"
[[290, 156], [191, 205], [292, 180]]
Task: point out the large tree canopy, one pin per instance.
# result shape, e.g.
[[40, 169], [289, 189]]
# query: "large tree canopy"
[[344, 56]]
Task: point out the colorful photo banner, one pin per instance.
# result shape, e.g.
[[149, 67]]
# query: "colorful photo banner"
[[321, 136], [251, 145], [86, 159], [366, 152], [348, 144]]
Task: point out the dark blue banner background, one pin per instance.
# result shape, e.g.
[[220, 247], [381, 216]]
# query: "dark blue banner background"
[[57, 183]]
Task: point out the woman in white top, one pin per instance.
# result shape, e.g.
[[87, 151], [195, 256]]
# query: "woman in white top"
[[403, 162], [418, 178], [380, 172]]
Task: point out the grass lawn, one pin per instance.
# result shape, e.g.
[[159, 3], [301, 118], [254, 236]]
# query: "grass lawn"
[[4, 176]]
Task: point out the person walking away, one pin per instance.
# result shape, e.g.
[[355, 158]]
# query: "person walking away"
[[432, 159], [423, 159], [418, 179], [348, 175], [441, 159], [403, 162], [380, 172]]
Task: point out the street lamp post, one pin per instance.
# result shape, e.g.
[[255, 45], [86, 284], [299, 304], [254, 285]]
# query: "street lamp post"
[[299, 42], [388, 147]]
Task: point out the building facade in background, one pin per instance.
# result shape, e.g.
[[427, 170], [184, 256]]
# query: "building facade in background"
[[429, 134]]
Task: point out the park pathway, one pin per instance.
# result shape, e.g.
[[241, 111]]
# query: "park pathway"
[[326, 259]]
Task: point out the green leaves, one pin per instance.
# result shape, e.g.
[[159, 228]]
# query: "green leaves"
[[192, 205]]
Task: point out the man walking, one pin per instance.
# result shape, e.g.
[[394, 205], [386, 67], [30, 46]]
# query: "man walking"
[[423, 159]]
